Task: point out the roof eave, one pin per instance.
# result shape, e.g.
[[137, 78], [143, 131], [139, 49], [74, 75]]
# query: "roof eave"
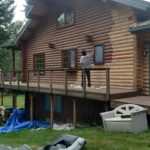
[[139, 5], [139, 29]]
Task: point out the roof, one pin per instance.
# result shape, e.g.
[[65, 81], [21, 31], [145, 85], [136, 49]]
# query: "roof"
[[139, 4], [138, 27], [39, 8]]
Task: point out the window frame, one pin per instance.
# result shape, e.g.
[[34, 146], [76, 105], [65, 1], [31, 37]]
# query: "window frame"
[[68, 59], [96, 62], [64, 11], [34, 63]]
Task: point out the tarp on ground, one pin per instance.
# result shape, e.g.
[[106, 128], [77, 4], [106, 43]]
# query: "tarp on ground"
[[19, 120]]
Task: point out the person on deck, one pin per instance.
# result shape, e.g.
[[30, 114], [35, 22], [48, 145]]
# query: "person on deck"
[[85, 61]]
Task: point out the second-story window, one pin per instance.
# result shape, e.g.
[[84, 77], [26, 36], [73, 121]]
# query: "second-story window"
[[69, 58], [99, 54], [66, 17], [39, 62]]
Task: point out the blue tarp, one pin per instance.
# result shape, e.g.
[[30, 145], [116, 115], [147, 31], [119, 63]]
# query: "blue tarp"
[[19, 120]]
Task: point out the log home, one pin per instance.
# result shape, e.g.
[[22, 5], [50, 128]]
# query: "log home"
[[116, 32]]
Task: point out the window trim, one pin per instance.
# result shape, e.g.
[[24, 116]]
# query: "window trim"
[[99, 62], [68, 56], [64, 10], [35, 70]]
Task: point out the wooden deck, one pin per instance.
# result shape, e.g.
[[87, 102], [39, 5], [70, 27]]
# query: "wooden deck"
[[94, 93], [143, 101]]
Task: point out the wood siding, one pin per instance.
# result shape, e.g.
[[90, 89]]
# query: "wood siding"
[[107, 23], [143, 64]]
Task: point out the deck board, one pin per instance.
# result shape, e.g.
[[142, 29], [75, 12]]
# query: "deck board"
[[95, 93]]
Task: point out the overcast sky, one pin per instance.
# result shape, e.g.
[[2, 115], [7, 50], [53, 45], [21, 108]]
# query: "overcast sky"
[[19, 14]]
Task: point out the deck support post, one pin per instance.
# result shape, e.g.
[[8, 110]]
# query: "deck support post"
[[66, 82], [74, 113], [31, 107], [107, 106], [51, 110], [107, 84], [14, 98], [2, 97]]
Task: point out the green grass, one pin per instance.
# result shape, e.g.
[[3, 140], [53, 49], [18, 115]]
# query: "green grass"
[[96, 137], [7, 102]]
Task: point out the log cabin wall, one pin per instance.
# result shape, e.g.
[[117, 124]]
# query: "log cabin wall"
[[123, 64], [107, 23], [143, 63]]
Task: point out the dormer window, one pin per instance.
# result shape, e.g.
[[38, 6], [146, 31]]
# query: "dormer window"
[[66, 17]]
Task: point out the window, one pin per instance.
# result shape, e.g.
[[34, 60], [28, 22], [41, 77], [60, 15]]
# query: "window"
[[39, 62], [66, 17], [69, 58], [57, 103], [99, 54]]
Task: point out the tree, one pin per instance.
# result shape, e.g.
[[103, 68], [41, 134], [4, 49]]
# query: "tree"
[[8, 33], [6, 16], [14, 29], [6, 54]]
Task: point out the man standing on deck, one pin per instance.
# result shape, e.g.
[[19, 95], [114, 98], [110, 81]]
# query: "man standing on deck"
[[85, 61]]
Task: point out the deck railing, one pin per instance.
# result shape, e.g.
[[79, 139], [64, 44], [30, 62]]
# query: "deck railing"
[[26, 77]]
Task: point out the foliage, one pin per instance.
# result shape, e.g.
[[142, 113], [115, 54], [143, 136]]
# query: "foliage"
[[6, 16], [14, 30], [8, 33], [6, 59]]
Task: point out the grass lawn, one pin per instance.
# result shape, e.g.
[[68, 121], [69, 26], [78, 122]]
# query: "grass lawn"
[[96, 137], [8, 101]]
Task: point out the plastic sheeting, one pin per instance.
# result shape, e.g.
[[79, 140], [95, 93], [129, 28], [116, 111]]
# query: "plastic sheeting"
[[19, 120]]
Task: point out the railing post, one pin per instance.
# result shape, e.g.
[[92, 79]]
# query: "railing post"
[[66, 81], [108, 84], [84, 82]]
